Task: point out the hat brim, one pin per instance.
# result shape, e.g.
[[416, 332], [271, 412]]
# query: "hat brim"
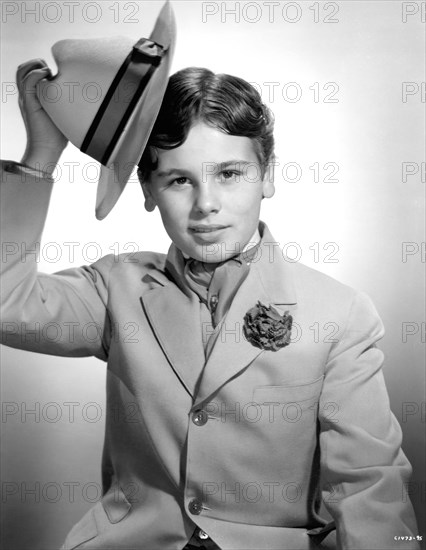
[[132, 142]]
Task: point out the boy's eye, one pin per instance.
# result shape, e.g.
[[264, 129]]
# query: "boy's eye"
[[228, 174], [180, 181]]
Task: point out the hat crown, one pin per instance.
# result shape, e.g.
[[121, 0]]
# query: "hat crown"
[[86, 69], [103, 49]]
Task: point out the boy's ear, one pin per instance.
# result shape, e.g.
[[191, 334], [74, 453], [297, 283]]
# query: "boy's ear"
[[150, 203], [268, 186]]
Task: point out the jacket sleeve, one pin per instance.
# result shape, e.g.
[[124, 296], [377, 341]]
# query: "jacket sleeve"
[[363, 467], [61, 314]]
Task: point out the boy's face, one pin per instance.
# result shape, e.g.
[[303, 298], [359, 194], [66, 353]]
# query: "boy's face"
[[208, 192]]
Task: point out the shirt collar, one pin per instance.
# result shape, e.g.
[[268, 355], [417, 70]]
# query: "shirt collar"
[[276, 272]]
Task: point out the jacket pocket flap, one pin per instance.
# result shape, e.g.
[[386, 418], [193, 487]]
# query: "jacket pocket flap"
[[288, 394]]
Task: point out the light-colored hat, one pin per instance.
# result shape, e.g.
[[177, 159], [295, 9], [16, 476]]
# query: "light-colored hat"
[[106, 96]]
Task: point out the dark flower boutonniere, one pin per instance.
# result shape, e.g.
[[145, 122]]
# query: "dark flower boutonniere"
[[265, 328]]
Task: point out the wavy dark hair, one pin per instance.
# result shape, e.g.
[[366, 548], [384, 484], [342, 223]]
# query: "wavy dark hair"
[[222, 101]]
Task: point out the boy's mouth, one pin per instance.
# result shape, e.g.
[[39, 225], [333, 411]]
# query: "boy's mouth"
[[204, 228]]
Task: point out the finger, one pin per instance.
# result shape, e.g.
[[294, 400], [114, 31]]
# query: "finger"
[[28, 90], [23, 70], [29, 83]]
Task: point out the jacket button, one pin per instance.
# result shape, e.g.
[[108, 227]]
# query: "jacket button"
[[200, 418], [214, 300], [195, 506], [202, 535]]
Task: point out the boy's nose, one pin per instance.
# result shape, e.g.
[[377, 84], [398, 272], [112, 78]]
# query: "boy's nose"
[[207, 199]]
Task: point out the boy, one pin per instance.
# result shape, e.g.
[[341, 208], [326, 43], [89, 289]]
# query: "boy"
[[242, 421]]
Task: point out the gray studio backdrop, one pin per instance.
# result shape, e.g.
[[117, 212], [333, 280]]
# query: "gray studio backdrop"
[[346, 83]]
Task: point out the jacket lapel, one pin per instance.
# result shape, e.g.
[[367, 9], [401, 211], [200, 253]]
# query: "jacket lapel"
[[174, 316], [271, 284]]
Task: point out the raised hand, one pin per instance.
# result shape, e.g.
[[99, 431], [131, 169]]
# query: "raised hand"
[[45, 142]]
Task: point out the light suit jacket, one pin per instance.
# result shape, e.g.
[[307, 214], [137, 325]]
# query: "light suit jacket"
[[244, 445]]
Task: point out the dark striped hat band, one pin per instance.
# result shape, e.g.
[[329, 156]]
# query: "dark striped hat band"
[[127, 87]]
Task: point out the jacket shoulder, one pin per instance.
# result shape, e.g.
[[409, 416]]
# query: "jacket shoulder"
[[306, 278], [316, 287], [132, 264], [333, 302]]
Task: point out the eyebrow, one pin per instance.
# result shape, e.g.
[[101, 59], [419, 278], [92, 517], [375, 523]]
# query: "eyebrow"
[[235, 161], [165, 173], [221, 165]]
